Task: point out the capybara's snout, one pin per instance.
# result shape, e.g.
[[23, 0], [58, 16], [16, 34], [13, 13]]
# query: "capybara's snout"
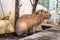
[[50, 15]]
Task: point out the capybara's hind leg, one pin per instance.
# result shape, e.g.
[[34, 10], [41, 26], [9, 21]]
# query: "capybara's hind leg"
[[21, 28]]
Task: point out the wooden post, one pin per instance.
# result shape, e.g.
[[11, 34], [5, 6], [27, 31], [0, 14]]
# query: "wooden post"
[[34, 4], [16, 11]]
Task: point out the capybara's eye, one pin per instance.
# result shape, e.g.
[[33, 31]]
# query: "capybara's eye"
[[45, 12]]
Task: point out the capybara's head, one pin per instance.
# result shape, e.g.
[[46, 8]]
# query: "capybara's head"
[[44, 14]]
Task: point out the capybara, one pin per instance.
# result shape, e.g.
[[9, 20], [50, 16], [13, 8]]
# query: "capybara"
[[11, 18], [28, 21], [7, 24], [6, 27]]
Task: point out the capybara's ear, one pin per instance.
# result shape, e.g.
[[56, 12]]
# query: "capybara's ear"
[[42, 10], [38, 12]]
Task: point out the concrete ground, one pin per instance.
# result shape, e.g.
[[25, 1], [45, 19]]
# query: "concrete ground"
[[49, 34]]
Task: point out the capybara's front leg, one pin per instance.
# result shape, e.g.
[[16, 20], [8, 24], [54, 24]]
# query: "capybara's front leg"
[[34, 28], [38, 28]]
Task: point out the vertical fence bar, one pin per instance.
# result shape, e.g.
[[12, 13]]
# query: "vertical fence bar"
[[55, 14]]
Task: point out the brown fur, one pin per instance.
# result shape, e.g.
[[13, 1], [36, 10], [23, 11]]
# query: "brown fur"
[[27, 22], [7, 24]]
